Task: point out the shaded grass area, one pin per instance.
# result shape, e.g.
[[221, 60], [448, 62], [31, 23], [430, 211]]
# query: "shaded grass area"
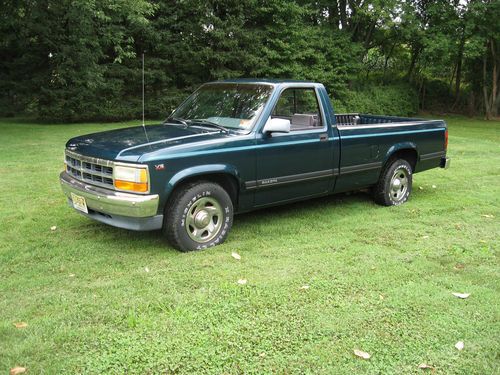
[[380, 279]]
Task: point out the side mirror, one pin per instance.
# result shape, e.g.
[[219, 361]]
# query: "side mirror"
[[277, 125]]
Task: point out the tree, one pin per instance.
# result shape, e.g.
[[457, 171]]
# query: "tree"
[[482, 55], [74, 61]]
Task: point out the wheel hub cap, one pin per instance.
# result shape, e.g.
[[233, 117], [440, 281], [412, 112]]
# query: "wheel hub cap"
[[399, 184], [204, 220], [201, 219], [396, 184]]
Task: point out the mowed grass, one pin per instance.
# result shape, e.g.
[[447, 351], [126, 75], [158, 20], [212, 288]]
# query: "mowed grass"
[[103, 300]]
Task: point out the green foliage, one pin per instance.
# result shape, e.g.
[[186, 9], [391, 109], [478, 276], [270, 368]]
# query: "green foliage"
[[395, 100], [69, 53], [73, 61], [380, 278], [457, 46]]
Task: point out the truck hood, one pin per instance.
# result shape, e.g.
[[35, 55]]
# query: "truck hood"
[[129, 144]]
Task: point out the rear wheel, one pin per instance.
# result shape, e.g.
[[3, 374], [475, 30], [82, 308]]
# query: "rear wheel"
[[394, 185], [198, 216]]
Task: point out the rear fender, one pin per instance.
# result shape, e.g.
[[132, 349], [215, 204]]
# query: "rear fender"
[[399, 147]]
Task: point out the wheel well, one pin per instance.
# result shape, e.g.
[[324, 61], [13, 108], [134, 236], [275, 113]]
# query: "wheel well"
[[228, 183], [408, 154]]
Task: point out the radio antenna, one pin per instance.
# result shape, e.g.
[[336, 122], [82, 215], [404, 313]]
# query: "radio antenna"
[[143, 124]]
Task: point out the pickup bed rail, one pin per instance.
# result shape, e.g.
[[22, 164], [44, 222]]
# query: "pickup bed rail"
[[351, 119]]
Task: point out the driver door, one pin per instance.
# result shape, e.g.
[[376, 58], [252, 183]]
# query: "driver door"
[[298, 164]]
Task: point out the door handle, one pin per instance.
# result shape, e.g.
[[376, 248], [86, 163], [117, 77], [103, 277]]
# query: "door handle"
[[323, 137]]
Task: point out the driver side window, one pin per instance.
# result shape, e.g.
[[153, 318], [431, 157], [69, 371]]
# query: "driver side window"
[[300, 106]]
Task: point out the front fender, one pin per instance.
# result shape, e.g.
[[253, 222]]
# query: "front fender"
[[201, 170]]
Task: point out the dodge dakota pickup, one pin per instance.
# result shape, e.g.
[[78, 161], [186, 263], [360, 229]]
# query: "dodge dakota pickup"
[[239, 145]]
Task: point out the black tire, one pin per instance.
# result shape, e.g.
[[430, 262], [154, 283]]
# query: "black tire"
[[394, 185], [186, 225]]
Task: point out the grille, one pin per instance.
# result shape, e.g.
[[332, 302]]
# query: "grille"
[[91, 170]]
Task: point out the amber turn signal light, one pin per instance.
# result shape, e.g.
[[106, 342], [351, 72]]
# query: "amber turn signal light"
[[140, 187]]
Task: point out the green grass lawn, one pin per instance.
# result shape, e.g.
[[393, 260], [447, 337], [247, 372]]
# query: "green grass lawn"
[[103, 300]]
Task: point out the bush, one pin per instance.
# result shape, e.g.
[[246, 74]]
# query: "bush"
[[396, 100]]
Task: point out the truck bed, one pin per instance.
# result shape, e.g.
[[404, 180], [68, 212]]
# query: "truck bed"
[[369, 140]]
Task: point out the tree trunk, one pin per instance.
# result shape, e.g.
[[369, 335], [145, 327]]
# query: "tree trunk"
[[354, 26], [342, 13], [335, 15], [494, 86], [387, 61], [415, 52], [453, 76], [368, 38], [458, 77], [487, 109]]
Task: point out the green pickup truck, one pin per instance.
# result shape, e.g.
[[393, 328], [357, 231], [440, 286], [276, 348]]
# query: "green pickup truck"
[[239, 145]]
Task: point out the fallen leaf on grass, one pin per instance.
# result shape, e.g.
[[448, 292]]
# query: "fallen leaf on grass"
[[304, 287], [381, 296], [262, 355], [361, 354], [488, 216], [236, 256], [459, 266], [425, 366], [20, 324], [53, 228], [425, 237], [459, 345], [71, 275], [17, 370], [242, 281], [461, 295]]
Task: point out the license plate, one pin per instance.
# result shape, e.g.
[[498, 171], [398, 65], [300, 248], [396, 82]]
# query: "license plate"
[[79, 203]]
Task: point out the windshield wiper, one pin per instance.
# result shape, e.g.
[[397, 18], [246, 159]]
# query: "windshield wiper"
[[210, 123], [177, 119]]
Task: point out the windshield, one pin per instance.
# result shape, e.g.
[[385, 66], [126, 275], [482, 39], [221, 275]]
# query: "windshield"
[[231, 105]]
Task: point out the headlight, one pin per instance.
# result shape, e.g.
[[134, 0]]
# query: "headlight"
[[131, 178]]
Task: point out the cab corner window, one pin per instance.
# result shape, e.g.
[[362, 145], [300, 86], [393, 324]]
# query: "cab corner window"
[[300, 106]]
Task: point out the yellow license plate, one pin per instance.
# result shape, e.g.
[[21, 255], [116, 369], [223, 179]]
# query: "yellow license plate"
[[79, 203]]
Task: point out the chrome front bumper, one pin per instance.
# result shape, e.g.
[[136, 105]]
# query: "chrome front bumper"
[[124, 210]]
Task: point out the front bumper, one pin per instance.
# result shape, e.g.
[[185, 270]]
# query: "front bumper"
[[123, 210]]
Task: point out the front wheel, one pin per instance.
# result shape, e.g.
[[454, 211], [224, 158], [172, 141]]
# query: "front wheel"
[[394, 185], [198, 216]]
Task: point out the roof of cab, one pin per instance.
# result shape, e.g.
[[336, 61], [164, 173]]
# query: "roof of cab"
[[263, 80]]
